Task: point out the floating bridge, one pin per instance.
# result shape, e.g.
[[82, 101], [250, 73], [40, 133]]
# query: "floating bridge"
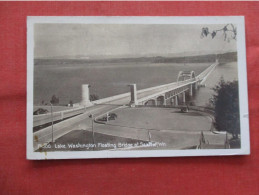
[[187, 82], [168, 94]]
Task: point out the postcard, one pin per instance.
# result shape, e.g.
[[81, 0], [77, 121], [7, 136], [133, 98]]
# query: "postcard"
[[127, 87]]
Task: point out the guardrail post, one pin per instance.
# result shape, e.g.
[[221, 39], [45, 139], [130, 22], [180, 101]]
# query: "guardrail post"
[[107, 117], [149, 136], [62, 115]]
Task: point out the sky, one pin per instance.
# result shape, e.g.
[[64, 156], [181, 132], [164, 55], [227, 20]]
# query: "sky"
[[125, 40]]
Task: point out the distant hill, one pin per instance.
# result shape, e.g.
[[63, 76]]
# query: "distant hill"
[[223, 58]]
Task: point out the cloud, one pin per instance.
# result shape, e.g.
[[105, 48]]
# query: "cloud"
[[124, 40]]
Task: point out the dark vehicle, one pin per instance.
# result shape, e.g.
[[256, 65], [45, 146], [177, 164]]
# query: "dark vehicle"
[[111, 116], [185, 109], [40, 111]]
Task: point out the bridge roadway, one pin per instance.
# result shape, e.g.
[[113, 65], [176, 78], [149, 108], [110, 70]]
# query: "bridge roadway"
[[156, 90], [83, 121]]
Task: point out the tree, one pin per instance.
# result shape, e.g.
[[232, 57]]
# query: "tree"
[[94, 97], [226, 104], [54, 100], [229, 31], [40, 111]]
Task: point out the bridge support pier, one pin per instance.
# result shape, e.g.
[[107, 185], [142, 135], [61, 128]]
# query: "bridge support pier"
[[133, 95], [172, 101], [184, 97], [176, 100], [155, 102], [196, 86], [164, 101], [190, 90]]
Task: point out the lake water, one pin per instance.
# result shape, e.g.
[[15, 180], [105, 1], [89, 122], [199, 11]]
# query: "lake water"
[[228, 71], [110, 79]]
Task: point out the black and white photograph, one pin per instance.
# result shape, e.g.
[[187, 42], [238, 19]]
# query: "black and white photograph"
[[112, 87]]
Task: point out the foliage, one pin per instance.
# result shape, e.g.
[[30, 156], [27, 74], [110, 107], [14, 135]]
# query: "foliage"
[[40, 111], [229, 32], [71, 103], [94, 97], [226, 104], [54, 100]]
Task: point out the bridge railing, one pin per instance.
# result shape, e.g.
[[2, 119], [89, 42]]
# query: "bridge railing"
[[112, 98], [55, 116], [207, 71], [170, 86], [173, 86]]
